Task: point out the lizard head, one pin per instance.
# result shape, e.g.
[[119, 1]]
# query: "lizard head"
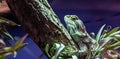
[[74, 19], [70, 19]]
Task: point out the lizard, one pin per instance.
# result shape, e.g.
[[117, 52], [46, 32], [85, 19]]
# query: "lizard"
[[78, 32], [75, 27]]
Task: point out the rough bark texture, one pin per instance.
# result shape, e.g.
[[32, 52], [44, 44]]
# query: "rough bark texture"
[[39, 20]]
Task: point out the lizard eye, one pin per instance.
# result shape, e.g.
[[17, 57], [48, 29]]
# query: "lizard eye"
[[74, 18]]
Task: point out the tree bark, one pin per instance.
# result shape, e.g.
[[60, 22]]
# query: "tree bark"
[[39, 20]]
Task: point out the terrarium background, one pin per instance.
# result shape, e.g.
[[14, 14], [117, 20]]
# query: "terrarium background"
[[94, 13]]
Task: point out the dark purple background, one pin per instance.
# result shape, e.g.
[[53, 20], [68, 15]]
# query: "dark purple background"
[[94, 13]]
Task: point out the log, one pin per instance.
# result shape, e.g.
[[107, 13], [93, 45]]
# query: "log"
[[39, 20]]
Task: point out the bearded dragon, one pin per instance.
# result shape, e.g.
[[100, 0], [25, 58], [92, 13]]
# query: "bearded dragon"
[[78, 32], [75, 27]]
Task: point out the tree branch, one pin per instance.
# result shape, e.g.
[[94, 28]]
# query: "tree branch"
[[39, 20]]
